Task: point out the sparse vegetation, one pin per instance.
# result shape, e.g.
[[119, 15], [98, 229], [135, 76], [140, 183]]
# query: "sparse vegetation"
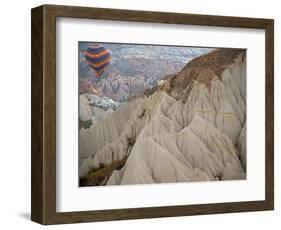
[[85, 124], [100, 176]]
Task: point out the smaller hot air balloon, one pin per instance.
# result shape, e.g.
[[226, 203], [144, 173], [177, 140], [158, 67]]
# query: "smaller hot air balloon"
[[98, 57]]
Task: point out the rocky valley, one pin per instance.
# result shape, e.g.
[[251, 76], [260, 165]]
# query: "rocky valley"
[[185, 125]]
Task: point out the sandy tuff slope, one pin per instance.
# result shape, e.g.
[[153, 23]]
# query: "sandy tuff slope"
[[192, 129]]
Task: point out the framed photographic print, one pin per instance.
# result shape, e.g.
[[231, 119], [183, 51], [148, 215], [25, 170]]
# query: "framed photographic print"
[[140, 114]]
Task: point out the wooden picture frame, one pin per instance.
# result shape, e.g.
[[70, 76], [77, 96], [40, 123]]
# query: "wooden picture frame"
[[43, 207]]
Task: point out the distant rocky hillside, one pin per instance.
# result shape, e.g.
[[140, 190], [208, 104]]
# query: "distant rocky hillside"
[[192, 127], [121, 88], [135, 68]]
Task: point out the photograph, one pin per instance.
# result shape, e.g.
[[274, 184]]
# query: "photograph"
[[176, 108], [160, 114]]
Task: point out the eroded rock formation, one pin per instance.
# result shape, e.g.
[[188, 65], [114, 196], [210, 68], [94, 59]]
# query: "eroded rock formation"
[[192, 128]]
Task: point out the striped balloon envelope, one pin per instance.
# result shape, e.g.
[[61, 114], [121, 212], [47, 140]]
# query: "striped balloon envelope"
[[98, 57]]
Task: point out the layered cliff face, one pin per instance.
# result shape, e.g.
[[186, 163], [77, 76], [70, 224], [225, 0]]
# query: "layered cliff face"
[[120, 88], [192, 128]]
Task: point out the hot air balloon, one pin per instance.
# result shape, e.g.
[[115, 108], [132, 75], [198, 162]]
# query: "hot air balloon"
[[98, 57]]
